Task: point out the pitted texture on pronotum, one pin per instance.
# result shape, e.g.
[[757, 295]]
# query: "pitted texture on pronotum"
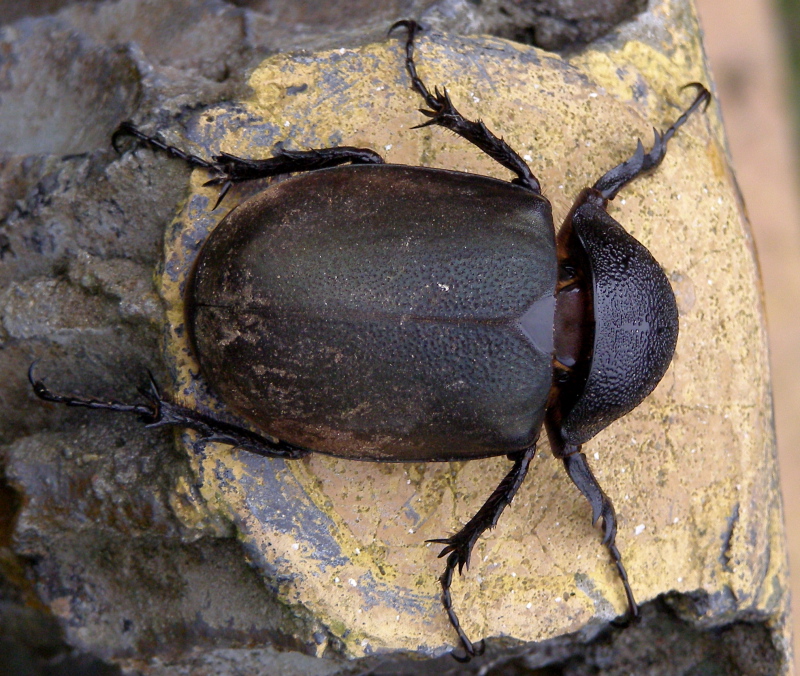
[[375, 312], [636, 324]]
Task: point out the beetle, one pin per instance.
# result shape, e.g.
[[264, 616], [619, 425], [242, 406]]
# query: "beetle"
[[311, 311]]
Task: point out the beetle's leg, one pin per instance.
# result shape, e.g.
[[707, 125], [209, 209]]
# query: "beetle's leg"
[[228, 169], [231, 169], [160, 412], [614, 180], [581, 474], [458, 547], [602, 508], [444, 113], [416, 82], [127, 129]]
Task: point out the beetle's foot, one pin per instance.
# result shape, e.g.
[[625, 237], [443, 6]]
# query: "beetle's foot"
[[460, 544], [475, 650], [702, 93], [458, 547], [443, 112], [630, 617], [226, 169], [441, 107], [124, 129], [412, 28], [446, 580], [633, 608], [161, 412], [416, 81]]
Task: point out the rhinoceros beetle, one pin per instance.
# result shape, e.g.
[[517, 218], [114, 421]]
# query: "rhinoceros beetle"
[[395, 313]]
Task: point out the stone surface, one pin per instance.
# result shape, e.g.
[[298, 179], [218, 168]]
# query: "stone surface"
[[689, 476], [100, 515]]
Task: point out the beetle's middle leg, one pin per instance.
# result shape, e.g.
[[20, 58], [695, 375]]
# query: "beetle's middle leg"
[[228, 169], [458, 547], [444, 113]]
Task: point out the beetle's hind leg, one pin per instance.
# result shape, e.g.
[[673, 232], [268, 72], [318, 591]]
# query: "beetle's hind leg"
[[458, 547], [442, 112], [158, 411], [228, 169]]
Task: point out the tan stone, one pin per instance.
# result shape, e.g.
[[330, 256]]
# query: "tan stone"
[[691, 471]]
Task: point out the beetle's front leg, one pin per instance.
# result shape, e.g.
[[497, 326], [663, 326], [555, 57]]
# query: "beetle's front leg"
[[458, 547], [443, 113], [228, 169], [610, 183], [161, 412], [602, 508]]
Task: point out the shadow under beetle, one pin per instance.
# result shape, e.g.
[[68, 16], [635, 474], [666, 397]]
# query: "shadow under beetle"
[[316, 315]]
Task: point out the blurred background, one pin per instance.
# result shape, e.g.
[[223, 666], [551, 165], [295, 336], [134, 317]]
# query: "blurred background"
[[754, 50]]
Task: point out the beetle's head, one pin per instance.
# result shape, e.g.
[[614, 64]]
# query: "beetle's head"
[[616, 324]]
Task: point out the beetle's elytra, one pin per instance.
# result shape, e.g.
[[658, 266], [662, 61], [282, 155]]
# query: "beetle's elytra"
[[394, 366], [395, 313]]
